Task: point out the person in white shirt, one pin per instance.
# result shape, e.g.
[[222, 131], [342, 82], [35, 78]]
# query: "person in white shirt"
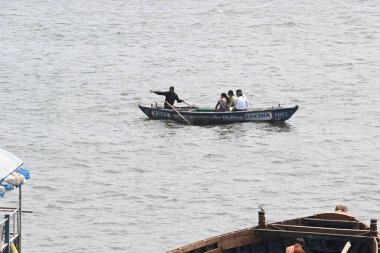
[[240, 102], [247, 103]]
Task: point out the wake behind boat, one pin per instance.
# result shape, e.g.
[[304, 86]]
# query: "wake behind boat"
[[198, 116]]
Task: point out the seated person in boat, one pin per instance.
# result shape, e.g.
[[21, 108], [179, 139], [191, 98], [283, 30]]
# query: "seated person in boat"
[[170, 97], [247, 103], [341, 208], [223, 104], [232, 98], [297, 247], [241, 103]]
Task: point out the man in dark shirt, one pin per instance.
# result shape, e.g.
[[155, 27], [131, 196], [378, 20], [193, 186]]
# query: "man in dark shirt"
[[170, 97]]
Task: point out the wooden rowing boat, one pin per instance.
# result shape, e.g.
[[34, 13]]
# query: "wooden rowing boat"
[[329, 232], [197, 116]]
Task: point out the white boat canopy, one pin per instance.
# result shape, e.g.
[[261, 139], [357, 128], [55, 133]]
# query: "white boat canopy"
[[11, 173], [8, 163]]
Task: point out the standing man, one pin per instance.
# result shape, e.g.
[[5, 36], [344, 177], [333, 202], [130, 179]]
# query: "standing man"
[[170, 97], [297, 247]]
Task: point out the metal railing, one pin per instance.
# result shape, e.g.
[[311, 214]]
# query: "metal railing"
[[10, 229]]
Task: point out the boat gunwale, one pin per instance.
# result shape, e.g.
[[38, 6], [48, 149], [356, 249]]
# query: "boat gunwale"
[[252, 232]]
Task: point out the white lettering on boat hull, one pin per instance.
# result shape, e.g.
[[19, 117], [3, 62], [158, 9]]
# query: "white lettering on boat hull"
[[160, 115], [258, 116], [233, 118], [281, 115]]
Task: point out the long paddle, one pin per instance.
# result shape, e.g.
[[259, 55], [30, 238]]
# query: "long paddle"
[[346, 247], [177, 112]]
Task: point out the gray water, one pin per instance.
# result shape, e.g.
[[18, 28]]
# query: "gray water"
[[107, 179]]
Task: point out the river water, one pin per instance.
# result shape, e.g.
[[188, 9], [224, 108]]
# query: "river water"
[[107, 179]]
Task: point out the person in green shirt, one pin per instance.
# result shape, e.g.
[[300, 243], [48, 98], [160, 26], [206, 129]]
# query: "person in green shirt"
[[232, 98]]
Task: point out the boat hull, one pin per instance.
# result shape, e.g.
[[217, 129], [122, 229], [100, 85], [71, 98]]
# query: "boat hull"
[[199, 117], [329, 232]]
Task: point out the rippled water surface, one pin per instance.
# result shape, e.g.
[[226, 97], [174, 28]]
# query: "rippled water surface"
[[105, 178]]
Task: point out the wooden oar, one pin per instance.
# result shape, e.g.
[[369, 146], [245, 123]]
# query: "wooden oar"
[[346, 247], [177, 112], [186, 103]]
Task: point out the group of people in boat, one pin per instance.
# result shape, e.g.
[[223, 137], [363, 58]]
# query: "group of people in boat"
[[226, 103], [231, 102]]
